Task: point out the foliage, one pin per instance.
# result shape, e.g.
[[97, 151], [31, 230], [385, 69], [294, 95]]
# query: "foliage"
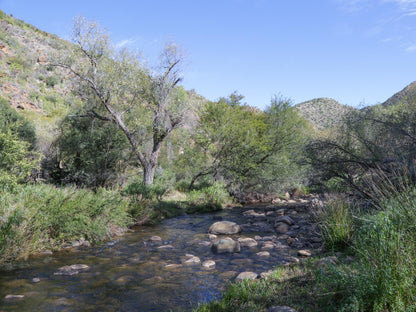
[[238, 144], [336, 223], [11, 121], [208, 198], [17, 139], [44, 217], [372, 142], [146, 107], [386, 244], [51, 81], [89, 152], [15, 162]]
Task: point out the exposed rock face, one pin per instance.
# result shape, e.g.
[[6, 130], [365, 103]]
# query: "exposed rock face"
[[72, 269], [224, 227], [225, 245]]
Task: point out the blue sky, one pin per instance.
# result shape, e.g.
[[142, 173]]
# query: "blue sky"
[[359, 52]]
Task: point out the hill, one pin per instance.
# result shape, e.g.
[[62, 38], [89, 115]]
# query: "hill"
[[405, 96], [323, 113]]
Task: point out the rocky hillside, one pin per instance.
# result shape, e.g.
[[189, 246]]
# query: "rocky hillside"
[[323, 113], [33, 86], [28, 82], [41, 92], [405, 96]]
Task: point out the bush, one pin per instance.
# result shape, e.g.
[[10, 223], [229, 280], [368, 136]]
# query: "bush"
[[16, 164], [336, 223], [44, 217], [208, 198], [11, 121], [386, 245], [51, 81]]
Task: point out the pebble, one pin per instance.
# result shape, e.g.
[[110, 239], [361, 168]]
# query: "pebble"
[[156, 239], [247, 242], [192, 261], [263, 254], [14, 297], [304, 253], [165, 247], [208, 264]]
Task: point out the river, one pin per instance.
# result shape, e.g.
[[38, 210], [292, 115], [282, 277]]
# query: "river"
[[134, 273]]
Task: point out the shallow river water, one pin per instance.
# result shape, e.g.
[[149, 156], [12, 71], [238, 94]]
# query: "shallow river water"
[[134, 274]]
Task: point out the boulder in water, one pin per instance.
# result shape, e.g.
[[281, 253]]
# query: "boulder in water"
[[72, 269], [224, 227]]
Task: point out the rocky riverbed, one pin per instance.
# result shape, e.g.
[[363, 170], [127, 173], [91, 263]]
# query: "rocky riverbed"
[[173, 265]]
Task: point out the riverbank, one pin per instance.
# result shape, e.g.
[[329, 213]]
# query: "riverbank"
[[171, 265], [42, 218]]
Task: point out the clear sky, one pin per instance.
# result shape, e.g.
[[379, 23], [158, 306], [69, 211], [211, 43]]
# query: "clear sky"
[[358, 52]]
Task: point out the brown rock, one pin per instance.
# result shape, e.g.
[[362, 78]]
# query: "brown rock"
[[281, 227]]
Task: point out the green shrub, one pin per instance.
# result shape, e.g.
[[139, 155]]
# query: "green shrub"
[[51, 81], [208, 198], [16, 164], [336, 223], [11, 121], [386, 245], [44, 217]]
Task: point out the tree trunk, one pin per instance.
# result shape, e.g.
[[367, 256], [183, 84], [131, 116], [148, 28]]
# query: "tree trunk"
[[148, 174]]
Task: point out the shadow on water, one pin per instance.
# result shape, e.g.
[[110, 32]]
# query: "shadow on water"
[[135, 273]]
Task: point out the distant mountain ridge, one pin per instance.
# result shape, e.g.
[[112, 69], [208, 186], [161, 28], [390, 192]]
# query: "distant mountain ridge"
[[405, 96], [323, 113]]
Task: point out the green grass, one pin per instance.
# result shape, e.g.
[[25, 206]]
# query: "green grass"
[[335, 220], [38, 217]]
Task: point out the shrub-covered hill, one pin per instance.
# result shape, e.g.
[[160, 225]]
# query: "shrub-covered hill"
[[405, 96], [323, 113]]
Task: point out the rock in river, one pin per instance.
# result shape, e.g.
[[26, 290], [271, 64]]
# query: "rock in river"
[[208, 264], [225, 245], [224, 227], [72, 269], [246, 275], [247, 242]]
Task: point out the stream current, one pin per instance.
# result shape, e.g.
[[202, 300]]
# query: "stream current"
[[134, 273]]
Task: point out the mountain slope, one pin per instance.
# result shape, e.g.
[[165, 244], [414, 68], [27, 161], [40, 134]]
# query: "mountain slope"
[[323, 113], [405, 96]]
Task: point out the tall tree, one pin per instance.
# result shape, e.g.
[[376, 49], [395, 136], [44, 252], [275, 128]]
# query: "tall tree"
[[237, 142], [145, 105]]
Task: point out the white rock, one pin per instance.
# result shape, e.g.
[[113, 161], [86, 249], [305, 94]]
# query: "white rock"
[[208, 264], [246, 275]]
